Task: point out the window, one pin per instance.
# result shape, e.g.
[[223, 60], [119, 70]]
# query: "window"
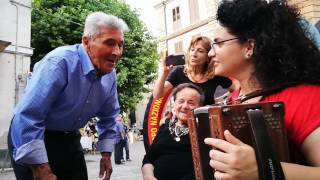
[[176, 18], [178, 47], [176, 14], [194, 10]]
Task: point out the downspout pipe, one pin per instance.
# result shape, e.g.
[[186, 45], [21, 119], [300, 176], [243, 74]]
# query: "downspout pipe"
[[16, 4], [165, 22], [15, 53]]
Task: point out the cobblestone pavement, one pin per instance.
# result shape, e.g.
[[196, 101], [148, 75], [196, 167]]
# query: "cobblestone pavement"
[[128, 171]]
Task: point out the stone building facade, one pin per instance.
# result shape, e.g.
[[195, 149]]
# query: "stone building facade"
[[15, 53]]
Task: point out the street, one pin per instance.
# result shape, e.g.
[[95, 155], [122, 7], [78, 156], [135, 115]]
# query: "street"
[[128, 171]]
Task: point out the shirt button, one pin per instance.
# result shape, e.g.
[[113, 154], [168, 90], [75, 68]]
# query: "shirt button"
[[79, 119], [87, 101]]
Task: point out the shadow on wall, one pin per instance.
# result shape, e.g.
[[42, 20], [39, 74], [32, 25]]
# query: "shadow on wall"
[[5, 161]]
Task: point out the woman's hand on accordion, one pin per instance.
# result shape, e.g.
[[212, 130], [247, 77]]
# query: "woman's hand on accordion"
[[232, 159]]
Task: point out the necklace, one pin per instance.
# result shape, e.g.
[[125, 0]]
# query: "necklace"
[[197, 79], [177, 131]]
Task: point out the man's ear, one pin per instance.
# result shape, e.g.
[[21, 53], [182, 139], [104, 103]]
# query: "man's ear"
[[85, 41]]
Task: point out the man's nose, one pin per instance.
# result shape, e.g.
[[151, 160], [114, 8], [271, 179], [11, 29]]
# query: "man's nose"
[[117, 50]]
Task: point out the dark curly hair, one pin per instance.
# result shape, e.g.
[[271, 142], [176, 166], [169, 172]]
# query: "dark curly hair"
[[282, 53]]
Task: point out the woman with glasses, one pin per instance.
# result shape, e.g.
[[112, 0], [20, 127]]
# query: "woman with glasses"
[[263, 46], [198, 70]]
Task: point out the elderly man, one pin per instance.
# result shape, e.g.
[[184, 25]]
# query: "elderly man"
[[70, 85]]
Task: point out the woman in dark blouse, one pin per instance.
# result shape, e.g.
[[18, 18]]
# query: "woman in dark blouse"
[[170, 157], [198, 70]]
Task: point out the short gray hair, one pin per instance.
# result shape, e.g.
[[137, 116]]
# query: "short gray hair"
[[97, 20]]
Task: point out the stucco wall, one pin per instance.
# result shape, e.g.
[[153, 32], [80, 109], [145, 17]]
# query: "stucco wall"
[[14, 60]]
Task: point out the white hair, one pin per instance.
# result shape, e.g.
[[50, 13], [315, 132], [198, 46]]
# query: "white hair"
[[97, 20]]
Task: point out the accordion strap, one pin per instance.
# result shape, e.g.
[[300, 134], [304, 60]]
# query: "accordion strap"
[[266, 91], [268, 164]]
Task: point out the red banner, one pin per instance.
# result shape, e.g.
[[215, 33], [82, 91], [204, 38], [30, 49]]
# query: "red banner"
[[155, 114]]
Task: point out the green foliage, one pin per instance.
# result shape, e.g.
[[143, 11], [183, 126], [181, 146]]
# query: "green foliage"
[[60, 22]]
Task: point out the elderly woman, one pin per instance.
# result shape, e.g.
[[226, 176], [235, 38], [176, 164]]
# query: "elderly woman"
[[262, 45], [198, 70], [169, 157]]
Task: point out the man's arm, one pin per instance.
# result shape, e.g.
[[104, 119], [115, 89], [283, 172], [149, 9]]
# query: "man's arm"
[[107, 122], [311, 31], [42, 172], [28, 125], [105, 166], [106, 130]]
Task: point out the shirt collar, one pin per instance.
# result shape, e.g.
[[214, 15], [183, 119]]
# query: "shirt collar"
[[85, 60]]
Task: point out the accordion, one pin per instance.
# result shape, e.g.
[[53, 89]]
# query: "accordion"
[[260, 125]]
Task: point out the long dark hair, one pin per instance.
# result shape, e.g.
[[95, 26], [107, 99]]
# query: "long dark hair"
[[282, 52]]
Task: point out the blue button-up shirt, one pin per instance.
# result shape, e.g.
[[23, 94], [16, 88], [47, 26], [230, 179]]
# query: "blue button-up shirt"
[[311, 31], [119, 128], [63, 93]]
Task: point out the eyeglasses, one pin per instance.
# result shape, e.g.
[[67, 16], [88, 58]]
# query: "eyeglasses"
[[213, 45]]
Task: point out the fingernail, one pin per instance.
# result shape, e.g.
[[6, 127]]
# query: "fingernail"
[[211, 152], [226, 132]]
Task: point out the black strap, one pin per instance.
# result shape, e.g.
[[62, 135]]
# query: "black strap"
[[266, 91], [268, 164]]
